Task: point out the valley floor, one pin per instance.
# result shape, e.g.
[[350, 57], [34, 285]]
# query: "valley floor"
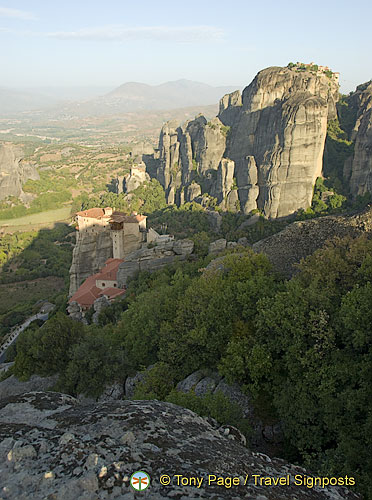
[[35, 221], [12, 294]]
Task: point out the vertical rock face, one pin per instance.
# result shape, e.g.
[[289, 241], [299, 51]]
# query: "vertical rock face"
[[277, 139], [264, 150], [135, 178], [189, 154], [90, 253], [359, 168], [230, 105], [14, 172], [168, 172]]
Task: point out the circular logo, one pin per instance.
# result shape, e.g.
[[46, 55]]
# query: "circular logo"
[[140, 480]]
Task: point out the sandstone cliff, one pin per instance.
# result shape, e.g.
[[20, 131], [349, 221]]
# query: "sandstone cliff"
[[135, 178], [264, 150], [358, 170], [90, 253], [152, 259], [14, 172], [52, 447]]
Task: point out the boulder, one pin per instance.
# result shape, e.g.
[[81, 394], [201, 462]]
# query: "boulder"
[[112, 392], [98, 305], [52, 447], [11, 386], [183, 247], [206, 385], [217, 246], [231, 244], [189, 383], [243, 241], [75, 312], [132, 382], [250, 222]]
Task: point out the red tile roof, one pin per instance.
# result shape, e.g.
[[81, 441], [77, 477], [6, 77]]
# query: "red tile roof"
[[122, 217], [109, 271], [88, 292], [112, 292], [116, 216], [94, 213]]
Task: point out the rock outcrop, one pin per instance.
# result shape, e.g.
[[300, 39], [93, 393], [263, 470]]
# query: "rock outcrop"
[[90, 253], [98, 306], [14, 172], [358, 170], [153, 258], [264, 150], [264, 434], [11, 386], [74, 310], [300, 239], [135, 178], [217, 246], [52, 447]]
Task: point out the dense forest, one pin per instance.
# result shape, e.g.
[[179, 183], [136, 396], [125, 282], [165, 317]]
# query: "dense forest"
[[301, 347]]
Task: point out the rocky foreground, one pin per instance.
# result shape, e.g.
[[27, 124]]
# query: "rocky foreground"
[[52, 447]]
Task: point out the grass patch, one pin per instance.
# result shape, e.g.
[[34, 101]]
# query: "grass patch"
[[12, 294], [50, 216]]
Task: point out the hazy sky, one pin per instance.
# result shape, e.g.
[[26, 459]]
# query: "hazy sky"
[[109, 42]]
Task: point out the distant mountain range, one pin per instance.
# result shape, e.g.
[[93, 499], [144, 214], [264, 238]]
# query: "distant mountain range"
[[18, 101], [180, 93], [131, 96]]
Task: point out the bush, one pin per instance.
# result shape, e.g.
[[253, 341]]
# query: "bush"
[[157, 383], [217, 406]]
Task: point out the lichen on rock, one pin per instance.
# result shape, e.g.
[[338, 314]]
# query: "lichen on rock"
[[59, 449]]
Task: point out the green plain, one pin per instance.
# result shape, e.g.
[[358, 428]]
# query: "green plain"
[[34, 221]]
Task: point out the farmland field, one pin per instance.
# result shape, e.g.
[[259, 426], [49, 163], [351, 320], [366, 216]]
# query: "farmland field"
[[36, 221]]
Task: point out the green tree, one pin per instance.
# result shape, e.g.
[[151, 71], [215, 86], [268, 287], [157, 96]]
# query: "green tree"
[[95, 362], [46, 350], [197, 335], [316, 334]]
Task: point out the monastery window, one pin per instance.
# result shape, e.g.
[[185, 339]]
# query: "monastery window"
[[103, 284], [115, 285]]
